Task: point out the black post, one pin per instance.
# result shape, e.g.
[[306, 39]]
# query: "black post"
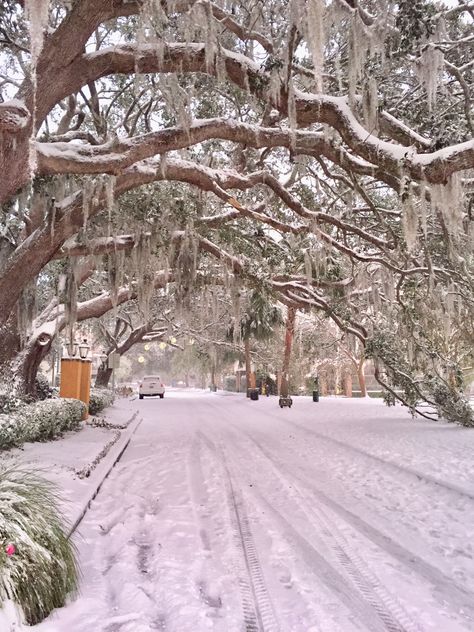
[[316, 389]]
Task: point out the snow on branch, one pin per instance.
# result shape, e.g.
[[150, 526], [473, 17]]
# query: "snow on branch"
[[116, 155], [14, 116], [310, 108], [99, 246]]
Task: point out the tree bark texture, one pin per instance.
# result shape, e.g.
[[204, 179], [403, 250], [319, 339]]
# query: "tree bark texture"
[[103, 377], [361, 378], [19, 364], [289, 334], [247, 364]]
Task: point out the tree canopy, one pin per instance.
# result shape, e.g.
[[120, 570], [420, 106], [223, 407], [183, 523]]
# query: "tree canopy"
[[319, 151]]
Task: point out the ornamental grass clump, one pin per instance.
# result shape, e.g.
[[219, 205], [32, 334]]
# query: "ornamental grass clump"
[[38, 567]]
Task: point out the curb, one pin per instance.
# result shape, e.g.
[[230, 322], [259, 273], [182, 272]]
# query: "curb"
[[102, 472]]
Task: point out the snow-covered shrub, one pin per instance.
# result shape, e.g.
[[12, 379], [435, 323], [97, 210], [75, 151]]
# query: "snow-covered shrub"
[[11, 431], [451, 405], [37, 561], [9, 402], [42, 386], [50, 418], [40, 421], [100, 398]]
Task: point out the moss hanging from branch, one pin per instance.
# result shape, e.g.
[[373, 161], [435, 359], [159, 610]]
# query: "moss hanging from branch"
[[390, 350]]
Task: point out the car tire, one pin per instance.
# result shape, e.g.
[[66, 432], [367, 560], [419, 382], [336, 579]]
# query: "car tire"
[[162, 395], [141, 396]]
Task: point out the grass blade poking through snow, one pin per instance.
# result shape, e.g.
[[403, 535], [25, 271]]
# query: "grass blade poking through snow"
[[38, 568]]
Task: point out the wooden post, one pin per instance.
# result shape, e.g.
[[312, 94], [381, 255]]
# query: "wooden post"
[[70, 378], [76, 380], [85, 391]]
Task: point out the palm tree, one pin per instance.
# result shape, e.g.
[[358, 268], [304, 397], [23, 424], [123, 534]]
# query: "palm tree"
[[259, 322]]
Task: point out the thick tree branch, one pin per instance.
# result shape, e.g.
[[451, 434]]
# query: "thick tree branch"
[[310, 108]]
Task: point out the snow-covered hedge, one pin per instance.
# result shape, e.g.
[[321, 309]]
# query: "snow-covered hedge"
[[37, 561], [9, 402], [100, 398], [41, 421]]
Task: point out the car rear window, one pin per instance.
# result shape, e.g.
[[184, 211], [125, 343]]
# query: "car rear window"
[[152, 378]]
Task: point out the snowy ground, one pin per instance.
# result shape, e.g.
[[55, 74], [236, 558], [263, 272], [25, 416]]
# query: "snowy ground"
[[75, 463], [230, 515]]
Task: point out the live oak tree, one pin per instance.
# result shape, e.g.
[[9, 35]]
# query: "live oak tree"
[[120, 331], [189, 136]]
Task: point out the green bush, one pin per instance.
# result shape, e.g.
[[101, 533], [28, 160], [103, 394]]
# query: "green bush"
[[451, 405], [100, 398], [41, 421], [9, 402], [42, 570], [42, 386]]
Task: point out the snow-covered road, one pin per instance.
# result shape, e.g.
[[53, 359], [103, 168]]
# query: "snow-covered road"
[[231, 515]]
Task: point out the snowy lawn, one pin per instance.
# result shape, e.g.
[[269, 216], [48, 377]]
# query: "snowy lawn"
[[227, 514]]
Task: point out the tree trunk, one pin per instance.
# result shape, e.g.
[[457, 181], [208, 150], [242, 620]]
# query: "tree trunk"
[[361, 378], [19, 367], [31, 361], [253, 380], [103, 377], [323, 384], [247, 364], [290, 331], [348, 384], [9, 349], [213, 376]]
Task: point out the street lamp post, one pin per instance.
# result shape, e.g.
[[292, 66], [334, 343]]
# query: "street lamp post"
[[83, 349]]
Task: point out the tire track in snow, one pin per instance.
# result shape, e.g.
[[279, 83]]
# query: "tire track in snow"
[[442, 584], [259, 615], [390, 612], [401, 468]]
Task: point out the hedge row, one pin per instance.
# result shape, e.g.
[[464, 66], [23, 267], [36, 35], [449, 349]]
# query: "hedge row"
[[100, 398], [41, 421]]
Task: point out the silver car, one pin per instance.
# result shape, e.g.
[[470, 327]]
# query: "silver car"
[[151, 385]]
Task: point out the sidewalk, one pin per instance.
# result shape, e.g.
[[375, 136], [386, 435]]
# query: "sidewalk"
[[78, 462]]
